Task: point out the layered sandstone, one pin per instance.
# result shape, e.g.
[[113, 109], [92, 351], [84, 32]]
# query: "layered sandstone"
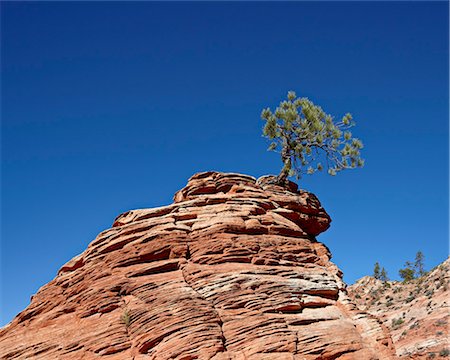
[[231, 270], [417, 313]]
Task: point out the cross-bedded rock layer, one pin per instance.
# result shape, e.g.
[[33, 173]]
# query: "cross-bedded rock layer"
[[230, 270]]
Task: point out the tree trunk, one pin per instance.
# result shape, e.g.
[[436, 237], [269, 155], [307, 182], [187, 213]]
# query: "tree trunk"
[[286, 157]]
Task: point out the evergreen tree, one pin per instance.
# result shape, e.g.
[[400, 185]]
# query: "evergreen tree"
[[383, 275], [376, 271], [306, 137], [407, 273], [418, 265]]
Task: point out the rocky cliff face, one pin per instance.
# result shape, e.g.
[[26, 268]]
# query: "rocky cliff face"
[[417, 313], [230, 270]]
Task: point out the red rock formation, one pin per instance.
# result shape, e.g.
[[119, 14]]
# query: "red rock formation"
[[417, 313], [230, 270]]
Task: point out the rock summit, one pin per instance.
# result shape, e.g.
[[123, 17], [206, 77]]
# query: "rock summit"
[[231, 270]]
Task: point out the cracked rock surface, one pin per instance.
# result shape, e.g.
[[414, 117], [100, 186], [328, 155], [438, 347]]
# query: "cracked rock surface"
[[231, 270]]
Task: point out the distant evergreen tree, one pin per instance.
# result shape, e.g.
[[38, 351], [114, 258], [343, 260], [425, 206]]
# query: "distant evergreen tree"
[[383, 275], [418, 265], [376, 270], [303, 134], [407, 273]]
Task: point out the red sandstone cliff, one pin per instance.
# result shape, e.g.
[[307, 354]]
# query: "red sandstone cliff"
[[230, 270], [417, 313]]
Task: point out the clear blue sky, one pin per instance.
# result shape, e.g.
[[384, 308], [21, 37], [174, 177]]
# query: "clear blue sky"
[[113, 106]]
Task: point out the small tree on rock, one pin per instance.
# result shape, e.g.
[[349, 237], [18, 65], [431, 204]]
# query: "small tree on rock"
[[376, 271], [418, 265], [407, 273], [309, 139], [383, 275]]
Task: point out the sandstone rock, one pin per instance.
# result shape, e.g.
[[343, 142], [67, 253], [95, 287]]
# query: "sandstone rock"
[[230, 270], [416, 313]]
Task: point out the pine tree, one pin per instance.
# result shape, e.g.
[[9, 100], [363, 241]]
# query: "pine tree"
[[376, 271], [418, 265], [383, 275], [407, 273], [306, 137]]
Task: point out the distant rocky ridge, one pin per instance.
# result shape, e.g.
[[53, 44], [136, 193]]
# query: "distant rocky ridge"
[[231, 270], [417, 313]]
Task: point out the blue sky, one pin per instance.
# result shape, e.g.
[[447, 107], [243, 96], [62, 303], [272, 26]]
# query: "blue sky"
[[113, 106]]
